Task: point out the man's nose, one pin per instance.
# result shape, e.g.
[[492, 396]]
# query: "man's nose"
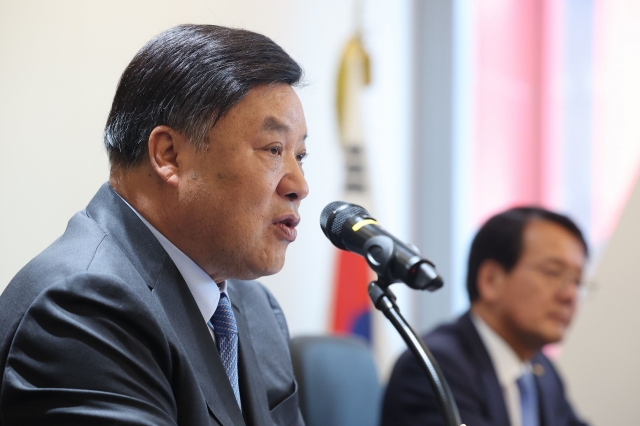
[[569, 290], [293, 185]]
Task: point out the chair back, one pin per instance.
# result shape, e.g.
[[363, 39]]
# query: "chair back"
[[338, 381]]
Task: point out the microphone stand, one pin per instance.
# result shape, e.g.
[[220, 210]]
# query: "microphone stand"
[[385, 301]]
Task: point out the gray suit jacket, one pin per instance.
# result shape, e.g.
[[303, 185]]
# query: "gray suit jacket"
[[101, 328]]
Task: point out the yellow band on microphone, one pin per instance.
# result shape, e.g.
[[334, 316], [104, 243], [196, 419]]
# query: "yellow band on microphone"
[[362, 223]]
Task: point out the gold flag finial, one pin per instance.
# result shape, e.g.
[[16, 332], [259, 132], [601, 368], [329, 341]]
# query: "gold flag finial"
[[354, 65]]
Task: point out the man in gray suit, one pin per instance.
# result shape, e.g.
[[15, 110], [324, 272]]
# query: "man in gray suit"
[[134, 316]]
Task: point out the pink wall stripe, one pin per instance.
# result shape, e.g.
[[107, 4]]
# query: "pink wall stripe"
[[509, 83]]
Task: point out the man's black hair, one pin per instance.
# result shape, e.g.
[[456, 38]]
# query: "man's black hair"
[[187, 78], [501, 239]]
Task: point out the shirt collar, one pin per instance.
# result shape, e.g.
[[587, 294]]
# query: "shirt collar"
[[505, 361], [203, 289]]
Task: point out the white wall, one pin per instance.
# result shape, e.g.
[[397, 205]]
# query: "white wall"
[[600, 355], [60, 61]]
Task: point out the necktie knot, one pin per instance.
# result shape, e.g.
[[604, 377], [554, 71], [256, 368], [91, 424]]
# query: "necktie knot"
[[223, 320]]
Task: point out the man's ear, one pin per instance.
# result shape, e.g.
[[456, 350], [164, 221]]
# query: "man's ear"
[[165, 144], [491, 280]]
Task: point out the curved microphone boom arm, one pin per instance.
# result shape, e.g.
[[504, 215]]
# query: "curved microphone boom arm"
[[384, 300]]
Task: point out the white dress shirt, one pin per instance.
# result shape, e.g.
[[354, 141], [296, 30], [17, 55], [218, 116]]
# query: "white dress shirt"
[[203, 289], [508, 367]]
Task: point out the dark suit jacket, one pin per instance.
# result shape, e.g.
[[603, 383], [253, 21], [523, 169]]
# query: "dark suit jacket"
[[465, 362], [101, 329]]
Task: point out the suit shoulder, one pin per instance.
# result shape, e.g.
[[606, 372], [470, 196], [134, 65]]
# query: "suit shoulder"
[[68, 255], [446, 341], [450, 350], [71, 252]]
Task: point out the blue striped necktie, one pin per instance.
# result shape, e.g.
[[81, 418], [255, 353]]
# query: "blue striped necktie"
[[223, 324], [528, 399]]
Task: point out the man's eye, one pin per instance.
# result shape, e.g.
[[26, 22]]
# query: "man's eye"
[[552, 273], [301, 157], [275, 150]]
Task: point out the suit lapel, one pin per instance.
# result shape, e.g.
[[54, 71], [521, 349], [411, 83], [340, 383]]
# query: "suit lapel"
[[547, 393], [184, 315], [255, 406], [487, 379]]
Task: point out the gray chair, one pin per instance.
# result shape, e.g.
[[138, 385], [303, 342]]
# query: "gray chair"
[[338, 381]]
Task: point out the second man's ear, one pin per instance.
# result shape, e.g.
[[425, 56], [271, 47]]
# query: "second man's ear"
[[491, 280]]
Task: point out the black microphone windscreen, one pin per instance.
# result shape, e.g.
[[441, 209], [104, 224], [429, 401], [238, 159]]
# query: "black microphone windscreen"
[[334, 216], [326, 213]]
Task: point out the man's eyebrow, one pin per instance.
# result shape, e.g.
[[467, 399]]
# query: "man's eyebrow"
[[553, 260], [272, 124]]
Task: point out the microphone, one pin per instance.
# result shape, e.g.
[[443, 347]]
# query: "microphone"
[[350, 227]]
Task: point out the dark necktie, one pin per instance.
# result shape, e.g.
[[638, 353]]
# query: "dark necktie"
[[225, 329], [528, 399]]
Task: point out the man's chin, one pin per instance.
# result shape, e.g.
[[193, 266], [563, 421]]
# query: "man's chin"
[[554, 335], [263, 269]]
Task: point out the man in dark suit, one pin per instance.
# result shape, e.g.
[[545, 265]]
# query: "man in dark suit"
[[524, 274], [135, 315]]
